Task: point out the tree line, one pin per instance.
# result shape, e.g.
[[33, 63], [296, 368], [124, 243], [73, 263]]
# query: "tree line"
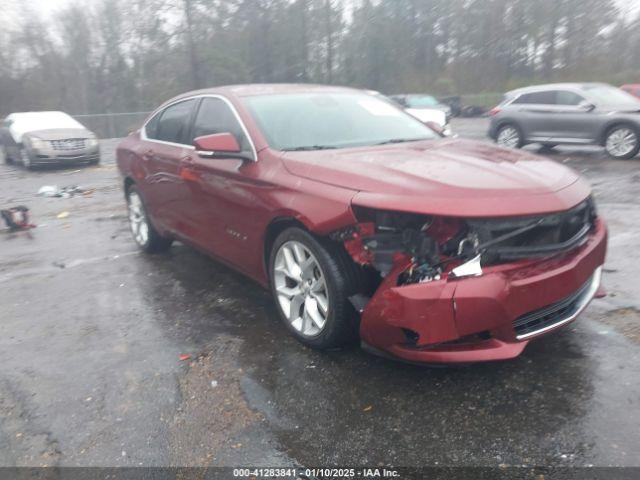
[[129, 55]]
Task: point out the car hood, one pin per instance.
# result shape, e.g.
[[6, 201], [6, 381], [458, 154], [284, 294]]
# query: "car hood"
[[631, 106], [60, 133], [447, 177]]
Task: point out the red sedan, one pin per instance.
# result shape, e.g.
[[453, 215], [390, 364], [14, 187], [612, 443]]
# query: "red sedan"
[[363, 222]]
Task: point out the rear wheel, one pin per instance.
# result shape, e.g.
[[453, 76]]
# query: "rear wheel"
[[144, 234], [311, 281], [622, 142], [509, 136]]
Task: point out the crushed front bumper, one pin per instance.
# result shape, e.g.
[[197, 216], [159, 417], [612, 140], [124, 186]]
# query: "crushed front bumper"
[[490, 317]]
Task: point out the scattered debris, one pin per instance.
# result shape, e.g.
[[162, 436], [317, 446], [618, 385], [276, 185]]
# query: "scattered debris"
[[64, 192], [367, 409], [184, 356], [59, 264], [48, 191], [63, 215], [17, 218], [214, 383]]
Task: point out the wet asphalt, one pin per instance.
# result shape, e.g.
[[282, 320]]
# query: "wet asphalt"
[[94, 337]]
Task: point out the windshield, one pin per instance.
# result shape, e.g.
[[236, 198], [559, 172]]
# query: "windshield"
[[312, 121], [605, 95], [422, 101]]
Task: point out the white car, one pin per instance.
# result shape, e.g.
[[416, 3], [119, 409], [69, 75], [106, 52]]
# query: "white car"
[[37, 138], [426, 115]]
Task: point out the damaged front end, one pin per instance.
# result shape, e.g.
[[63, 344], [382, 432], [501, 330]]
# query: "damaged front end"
[[415, 262]]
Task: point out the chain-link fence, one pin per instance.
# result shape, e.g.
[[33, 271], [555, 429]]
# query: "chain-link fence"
[[112, 125]]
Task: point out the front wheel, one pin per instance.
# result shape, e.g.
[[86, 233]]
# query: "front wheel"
[[509, 136], [25, 158], [144, 233], [311, 283], [4, 157], [622, 142]]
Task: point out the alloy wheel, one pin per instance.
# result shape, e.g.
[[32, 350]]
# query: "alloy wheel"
[[301, 288], [508, 137], [138, 220], [621, 142]]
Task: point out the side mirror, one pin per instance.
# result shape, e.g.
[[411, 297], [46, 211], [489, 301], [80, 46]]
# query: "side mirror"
[[586, 106], [218, 145]]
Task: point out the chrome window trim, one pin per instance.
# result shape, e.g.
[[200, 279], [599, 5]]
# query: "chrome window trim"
[[143, 130]]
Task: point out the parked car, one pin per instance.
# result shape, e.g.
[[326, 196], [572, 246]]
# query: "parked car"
[[364, 222], [43, 138], [426, 108], [569, 113], [454, 102], [433, 118], [632, 88]]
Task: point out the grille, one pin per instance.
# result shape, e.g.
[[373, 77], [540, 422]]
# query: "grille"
[[552, 233], [68, 144], [553, 315]]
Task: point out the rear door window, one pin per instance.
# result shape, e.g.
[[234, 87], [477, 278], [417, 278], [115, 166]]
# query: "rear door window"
[[537, 98], [173, 124], [564, 97]]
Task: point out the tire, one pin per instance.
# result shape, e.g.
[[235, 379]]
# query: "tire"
[[622, 142], [144, 233], [329, 282], [512, 136], [25, 159]]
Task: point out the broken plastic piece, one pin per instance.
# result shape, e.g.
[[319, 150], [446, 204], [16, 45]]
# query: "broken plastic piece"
[[472, 268], [64, 192], [17, 218], [48, 191], [359, 301]]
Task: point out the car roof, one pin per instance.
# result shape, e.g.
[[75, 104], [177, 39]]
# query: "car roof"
[[45, 113], [266, 89], [555, 86]]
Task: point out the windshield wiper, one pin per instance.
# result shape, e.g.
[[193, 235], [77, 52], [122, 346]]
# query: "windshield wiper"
[[400, 140], [309, 148]]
